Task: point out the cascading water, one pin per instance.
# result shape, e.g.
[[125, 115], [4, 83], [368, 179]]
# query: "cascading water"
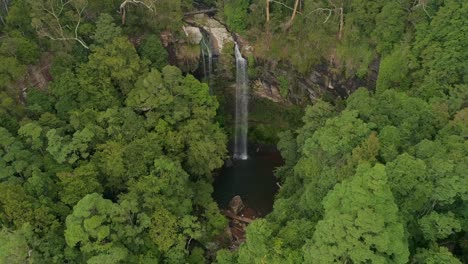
[[207, 61], [242, 102]]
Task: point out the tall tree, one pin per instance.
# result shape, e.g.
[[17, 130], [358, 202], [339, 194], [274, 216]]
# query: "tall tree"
[[361, 223]]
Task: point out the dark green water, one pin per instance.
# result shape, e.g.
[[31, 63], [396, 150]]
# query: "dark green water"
[[252, 179]]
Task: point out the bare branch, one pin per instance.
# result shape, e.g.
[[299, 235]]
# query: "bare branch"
[[53, 28], [423, 4], [123, 5], [288, 7], [296, 5]]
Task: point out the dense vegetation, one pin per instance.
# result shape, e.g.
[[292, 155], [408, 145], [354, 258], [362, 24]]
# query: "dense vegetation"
[[381, 177], [107, 152], [112, 161]]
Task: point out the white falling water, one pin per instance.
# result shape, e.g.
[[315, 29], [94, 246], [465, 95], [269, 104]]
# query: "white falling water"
[[242, 102], [207, 54]]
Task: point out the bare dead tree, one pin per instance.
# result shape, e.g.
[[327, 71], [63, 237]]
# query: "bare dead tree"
[[149, 4], [49, 17], [340, 12]]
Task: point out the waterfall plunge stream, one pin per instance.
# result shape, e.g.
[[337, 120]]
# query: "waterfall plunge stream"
[[207, 61], [242, 102]]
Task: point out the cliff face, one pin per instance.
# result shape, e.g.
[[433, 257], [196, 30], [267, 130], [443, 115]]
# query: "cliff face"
[[322, 81], [278, 82]]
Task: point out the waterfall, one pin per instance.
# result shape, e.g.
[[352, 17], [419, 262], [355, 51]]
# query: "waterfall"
[[207, 61], [242, 102]]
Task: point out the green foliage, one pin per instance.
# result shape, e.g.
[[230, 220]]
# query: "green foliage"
[[92, 227], [436, 255], [281, 118], [117, 62], [409, 182], [439, 53], [393, 71], [235, 12], [14, 246], [106, 30], [389, 28], [153, 50], [10, 70], [77, 184], [283, 86], [439, 226], [23, 49], [340, 134], [361, 218], [111, 162]]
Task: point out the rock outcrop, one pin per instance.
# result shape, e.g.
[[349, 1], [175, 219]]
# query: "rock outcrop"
[[218, 33], [236, 205], [194, 34]]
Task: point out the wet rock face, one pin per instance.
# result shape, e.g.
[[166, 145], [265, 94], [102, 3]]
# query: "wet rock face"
[[193, 34], [218, 32], [236, 204]]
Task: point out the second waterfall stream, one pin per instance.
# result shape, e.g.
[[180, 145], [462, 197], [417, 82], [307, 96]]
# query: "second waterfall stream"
[[242, 107]]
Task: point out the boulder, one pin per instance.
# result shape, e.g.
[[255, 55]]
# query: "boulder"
[[236, 205]]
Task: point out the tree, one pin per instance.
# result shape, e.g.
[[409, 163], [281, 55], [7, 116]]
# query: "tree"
[[408, 179], [315, 117], [92, 227], [360, 224], [393, 71], [439, 226], [437, 49], [78, 183], [13, 247], [153, 50], [235, 12], [259, 235], [110, 160], [106, 30], [341, 134], [59, 20], [69, 149], [20, 47], [390, 26], [32, 132], [435, 256], [118, 62], [181, 108]]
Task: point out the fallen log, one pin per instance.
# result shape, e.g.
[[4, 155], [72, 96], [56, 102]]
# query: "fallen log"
[[236, 217], [211, 10]]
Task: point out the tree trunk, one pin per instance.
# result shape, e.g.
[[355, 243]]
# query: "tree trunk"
[[268, 10], [123, 12], [296, 4], [340, 32]]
